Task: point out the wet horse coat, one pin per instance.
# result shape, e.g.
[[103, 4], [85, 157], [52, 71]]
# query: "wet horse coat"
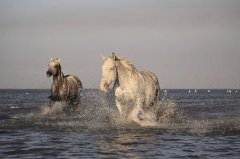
[[136, 92], [64, 88]]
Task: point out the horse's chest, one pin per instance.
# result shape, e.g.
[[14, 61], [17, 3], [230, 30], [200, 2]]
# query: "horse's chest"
[[123, 94], [59, 91]]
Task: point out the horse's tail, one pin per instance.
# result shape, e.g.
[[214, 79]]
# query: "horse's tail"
[[156, 83], [79, 83], [157, 86]]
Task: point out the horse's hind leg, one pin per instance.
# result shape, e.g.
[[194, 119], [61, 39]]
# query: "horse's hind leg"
[[135, 115], [119, 107], [50, 103], [72, 104], [76, 102]]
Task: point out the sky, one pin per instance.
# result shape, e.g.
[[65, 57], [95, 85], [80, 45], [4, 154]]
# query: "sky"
[[186, 43]]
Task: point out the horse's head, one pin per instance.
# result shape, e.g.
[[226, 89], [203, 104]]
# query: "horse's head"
[[109, 72], [53, 67]]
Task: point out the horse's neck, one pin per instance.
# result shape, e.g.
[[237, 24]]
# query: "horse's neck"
[[116, 84], [124, 75], [59, 78]]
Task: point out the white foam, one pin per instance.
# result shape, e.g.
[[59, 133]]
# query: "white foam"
[[56, 108]]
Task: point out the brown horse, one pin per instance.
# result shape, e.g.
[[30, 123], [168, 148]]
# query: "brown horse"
[[64, 88]]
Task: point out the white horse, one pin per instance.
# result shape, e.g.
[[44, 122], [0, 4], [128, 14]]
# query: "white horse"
[[64, 88], [136, 92]]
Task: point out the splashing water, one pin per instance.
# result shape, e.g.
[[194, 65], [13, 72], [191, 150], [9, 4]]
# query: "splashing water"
[[167, 112], [97, 112], [56, 108]]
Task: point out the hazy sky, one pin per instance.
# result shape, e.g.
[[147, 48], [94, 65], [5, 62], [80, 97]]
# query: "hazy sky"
[[187, 43]]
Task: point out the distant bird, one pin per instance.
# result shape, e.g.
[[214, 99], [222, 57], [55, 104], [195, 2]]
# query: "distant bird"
[[195, 91], [189, 91], [209, 91], [236, 91]]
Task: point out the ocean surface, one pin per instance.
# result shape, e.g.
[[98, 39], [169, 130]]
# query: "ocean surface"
[[201, 124]]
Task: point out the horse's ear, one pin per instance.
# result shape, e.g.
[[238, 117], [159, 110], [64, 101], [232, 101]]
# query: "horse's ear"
[[103, 57], [51, 59], [114, 57], [58, 60]]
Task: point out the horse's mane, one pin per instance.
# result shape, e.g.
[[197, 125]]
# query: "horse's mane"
[[125, 62], [60, 69]]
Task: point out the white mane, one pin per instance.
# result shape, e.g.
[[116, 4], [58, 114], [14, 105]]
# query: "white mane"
[[125, 62]]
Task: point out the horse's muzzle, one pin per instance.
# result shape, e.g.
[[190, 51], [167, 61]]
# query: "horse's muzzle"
[[49, 73], [104, 87]]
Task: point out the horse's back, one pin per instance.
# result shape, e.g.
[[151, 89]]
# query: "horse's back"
[[74, 80], [151, 76], [74, 84]]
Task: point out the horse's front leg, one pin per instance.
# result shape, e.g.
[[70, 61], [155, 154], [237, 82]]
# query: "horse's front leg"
[[137, 113], [50, 103], [118, 96], [51, 99], [119, 107]]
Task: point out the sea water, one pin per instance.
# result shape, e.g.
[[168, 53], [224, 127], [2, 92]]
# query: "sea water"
[[199, 124]]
